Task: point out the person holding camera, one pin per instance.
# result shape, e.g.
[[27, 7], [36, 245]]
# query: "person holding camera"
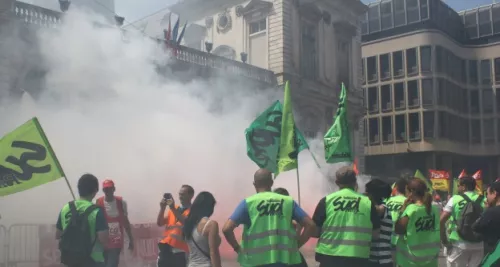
[[172, 248]]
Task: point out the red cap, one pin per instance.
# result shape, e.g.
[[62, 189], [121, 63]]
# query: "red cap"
[[108, 184]]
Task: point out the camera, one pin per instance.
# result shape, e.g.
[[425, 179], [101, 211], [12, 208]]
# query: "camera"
[[167, 196]]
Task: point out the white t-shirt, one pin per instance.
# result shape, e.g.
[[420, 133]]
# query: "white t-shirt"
[[461, 244], [111, 208]]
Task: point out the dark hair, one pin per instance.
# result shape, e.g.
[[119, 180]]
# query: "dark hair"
[[401, 185], [494, 187], [189, 189], [87, 185], [378, 190], [203, 206], [346, 176], [468, 182], [281, 191], [419, 188]]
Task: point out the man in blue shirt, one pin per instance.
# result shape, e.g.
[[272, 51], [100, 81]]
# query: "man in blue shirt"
[[263, 182]]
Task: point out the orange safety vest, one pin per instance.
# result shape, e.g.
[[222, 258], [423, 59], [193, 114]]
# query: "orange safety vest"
[[173, 231]]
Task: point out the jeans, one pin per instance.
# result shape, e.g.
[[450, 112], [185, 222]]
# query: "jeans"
[[112, 257], [166, 258]]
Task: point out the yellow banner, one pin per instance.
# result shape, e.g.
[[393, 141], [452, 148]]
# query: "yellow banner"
[[440, 184]]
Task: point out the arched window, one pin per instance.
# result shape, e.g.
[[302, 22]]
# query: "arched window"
[[225, 51]]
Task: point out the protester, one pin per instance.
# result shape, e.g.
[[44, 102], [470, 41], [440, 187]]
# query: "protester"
[[381, 251], [461, 249], [202, 233], [395, 203], [115, 211], [82, 228], [418, 223], [298, 227], [488, 224], [269, 237], [348, 222], [172, 248]]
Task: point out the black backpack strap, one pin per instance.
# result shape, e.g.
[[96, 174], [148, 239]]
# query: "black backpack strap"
[[479, 199], [74, 212], [465, 197]]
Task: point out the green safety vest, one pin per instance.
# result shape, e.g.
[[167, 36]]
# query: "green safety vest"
[[347, 230], [421, 244], [458, 204], [492, 259], [270, 238], [394, 205], [81, 205]]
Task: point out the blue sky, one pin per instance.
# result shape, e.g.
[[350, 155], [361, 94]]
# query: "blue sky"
[[458, 5]]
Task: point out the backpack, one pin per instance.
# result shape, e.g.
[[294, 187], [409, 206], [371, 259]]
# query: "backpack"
[[469, 214], [76, 242]]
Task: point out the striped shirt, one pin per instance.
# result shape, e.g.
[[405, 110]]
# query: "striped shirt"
[[381, 251]]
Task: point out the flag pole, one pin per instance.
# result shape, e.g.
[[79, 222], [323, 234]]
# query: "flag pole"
[[298, 182]]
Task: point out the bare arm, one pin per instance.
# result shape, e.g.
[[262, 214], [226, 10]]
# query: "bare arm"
[[310, 230], [161, 219], [444, 218], [103, 237], [214, 243], [228, 231], [401, 224], [178, 214]]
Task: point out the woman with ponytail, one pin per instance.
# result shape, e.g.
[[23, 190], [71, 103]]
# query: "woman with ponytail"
[[201, 233], [418, 225]]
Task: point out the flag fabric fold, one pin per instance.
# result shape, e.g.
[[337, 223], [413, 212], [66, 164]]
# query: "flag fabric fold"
[[337, 140], [27, 159], [421, 176], [175, 30], [181, 35]]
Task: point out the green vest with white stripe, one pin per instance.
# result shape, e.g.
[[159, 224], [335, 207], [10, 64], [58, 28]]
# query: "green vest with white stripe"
[[421, 244], [347, 230], [394, 205], [271, 237]]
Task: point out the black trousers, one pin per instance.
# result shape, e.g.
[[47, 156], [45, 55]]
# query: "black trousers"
[[166, 258]]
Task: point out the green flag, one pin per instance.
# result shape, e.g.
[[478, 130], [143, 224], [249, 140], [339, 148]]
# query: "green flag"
[[337, 140], [288, 152], [455, 186], [421, 176], [492, 259], [26, 159]]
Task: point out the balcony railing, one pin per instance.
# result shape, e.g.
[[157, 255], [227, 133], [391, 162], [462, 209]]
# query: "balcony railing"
[[36, 15]]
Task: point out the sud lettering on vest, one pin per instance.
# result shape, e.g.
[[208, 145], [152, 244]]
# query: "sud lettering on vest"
[[270, 238], [115, 224], [347, 230], [394, 205], [421, 244], [173, 231], [454, 237]]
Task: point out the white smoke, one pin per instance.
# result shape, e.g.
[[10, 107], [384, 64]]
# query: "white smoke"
[[106, 111]]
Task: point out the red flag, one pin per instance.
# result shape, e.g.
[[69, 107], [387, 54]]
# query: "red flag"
[[478, 175], [355, 166], [462, 174]]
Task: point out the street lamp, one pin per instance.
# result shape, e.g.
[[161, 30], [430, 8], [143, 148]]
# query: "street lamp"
[[244, 57], [208, 46], [64, 5]]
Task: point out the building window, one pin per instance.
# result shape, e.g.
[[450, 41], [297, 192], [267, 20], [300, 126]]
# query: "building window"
[[387, 130], [475, 131], [397, 64], [439, 59], [427, 93], [374, 131], [411, 61], [414, 125], [465, 101], [258, 26], [343, 62], [386, 95], [425, 58], [497, 96], [463, 71], [373, 100], [309, 56], [428, 124], [374, 18], [473, 74], [495, 14], [371, 64], [386, 14], [365, 131], [400, 127], [474, 102], [424, 10], [385, 67], [363, 72], [399, 96], [498, 130], [441, 91], [486, 72], [413, 99], [365, 101], [443, 124], [484, 19], [470, 21], [399, 13], [412, 11], [488, 101], [489, 131], [497, 70]]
